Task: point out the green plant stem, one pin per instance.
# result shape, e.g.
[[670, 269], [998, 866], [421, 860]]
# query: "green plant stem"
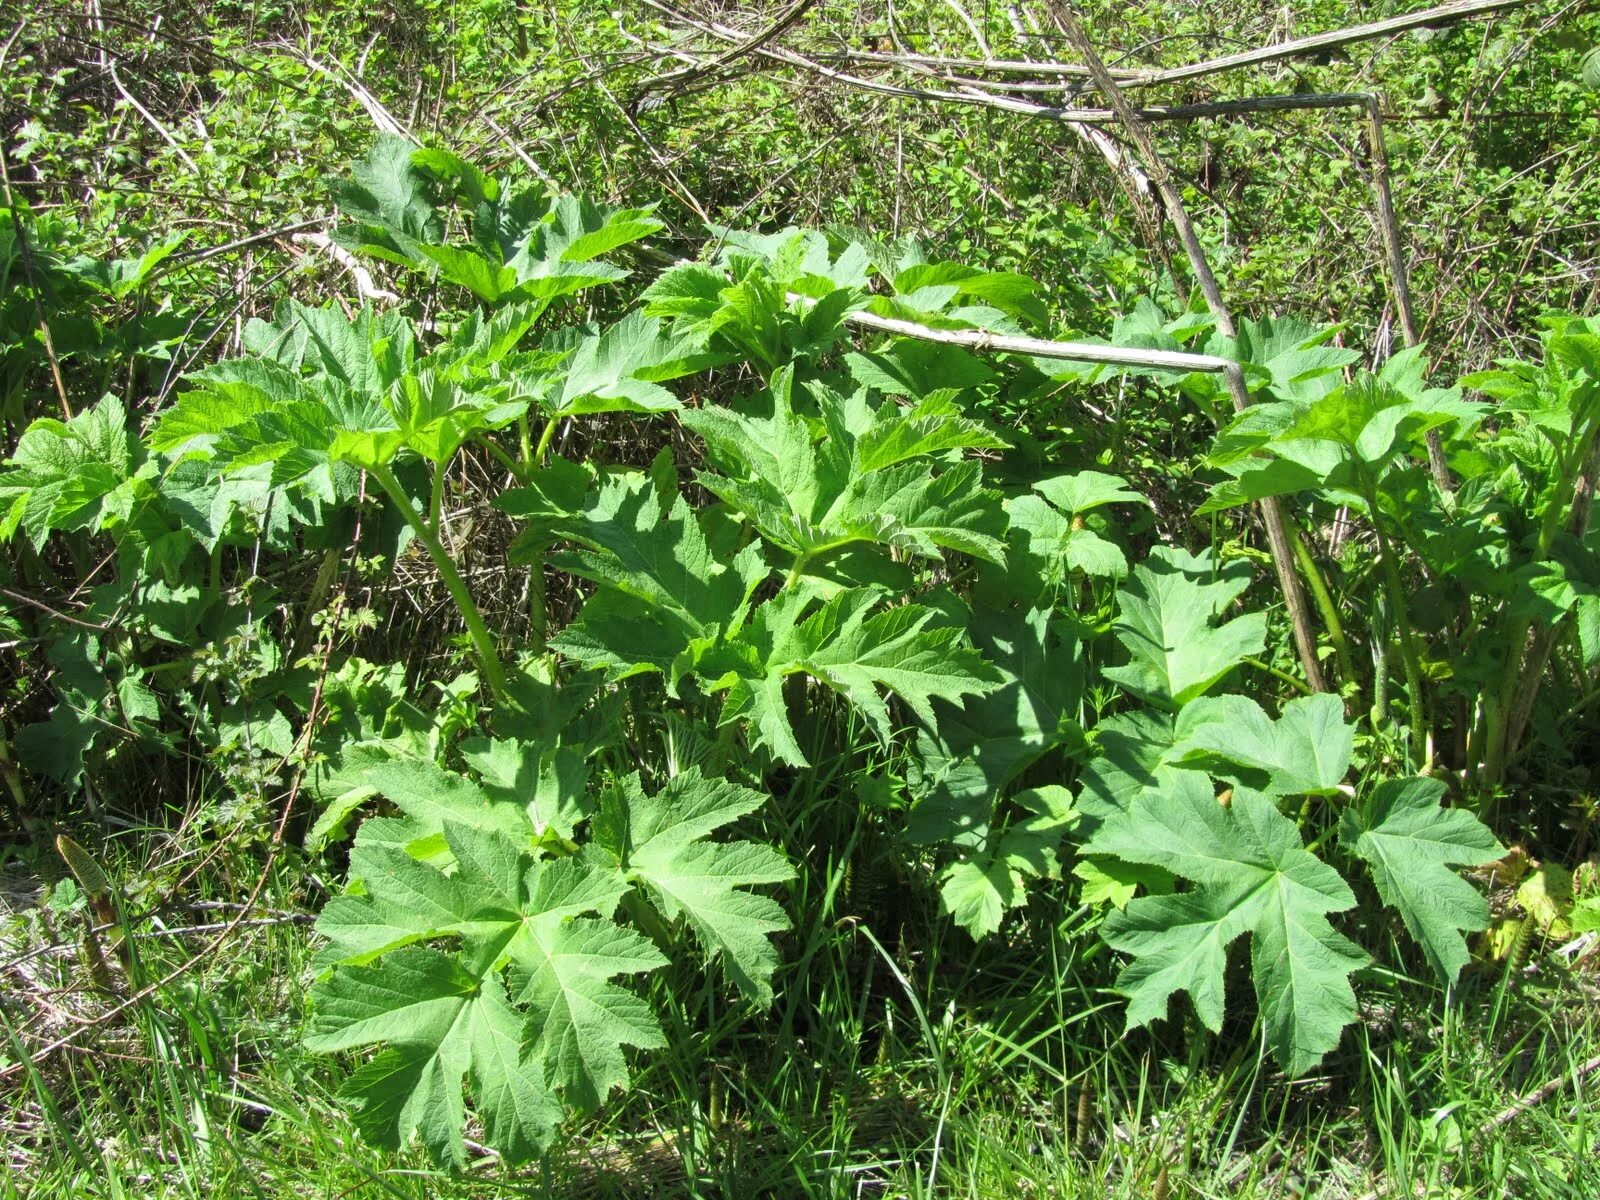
[[1299, 685], [435, 496], [545, 438], [524, 441], [1380, 676], [806, 558], [327, 571], [538, 617], [517, 470], [795, 571], [651, 925], [15, 792], [1519, 687], [1323, 599], [1402, 622], [488, 658], [1511, 701]]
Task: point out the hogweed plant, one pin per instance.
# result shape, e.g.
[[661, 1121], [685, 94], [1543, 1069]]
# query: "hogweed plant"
[[837, 559]]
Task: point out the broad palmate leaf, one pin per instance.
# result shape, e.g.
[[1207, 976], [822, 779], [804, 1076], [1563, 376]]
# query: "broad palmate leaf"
[[664, 598], [445, 1016], [973, 751], [856, 475], [441, 1023], [1305, 752], [476, 964], [1050, 539], [1251, 874], [1411, 843], [666, 604], [658, 841], [847, 646], [1165, 614]]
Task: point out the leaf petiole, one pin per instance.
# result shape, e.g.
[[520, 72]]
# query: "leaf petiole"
[[488, 658]]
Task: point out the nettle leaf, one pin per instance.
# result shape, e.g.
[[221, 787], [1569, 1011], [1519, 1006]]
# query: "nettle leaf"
[[845, 645], [1165, 615], [1250, 874], [1410, 842], [658, 841]]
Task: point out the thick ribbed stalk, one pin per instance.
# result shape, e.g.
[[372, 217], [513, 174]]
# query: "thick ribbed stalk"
[[1407, 638], [1325, 605], [488, 658]]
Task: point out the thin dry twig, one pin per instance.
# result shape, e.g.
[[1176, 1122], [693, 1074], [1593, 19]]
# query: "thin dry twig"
[[982, 341], [150, 118], [385, 120], [366, 287], [676, 79], [1135, 78]]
